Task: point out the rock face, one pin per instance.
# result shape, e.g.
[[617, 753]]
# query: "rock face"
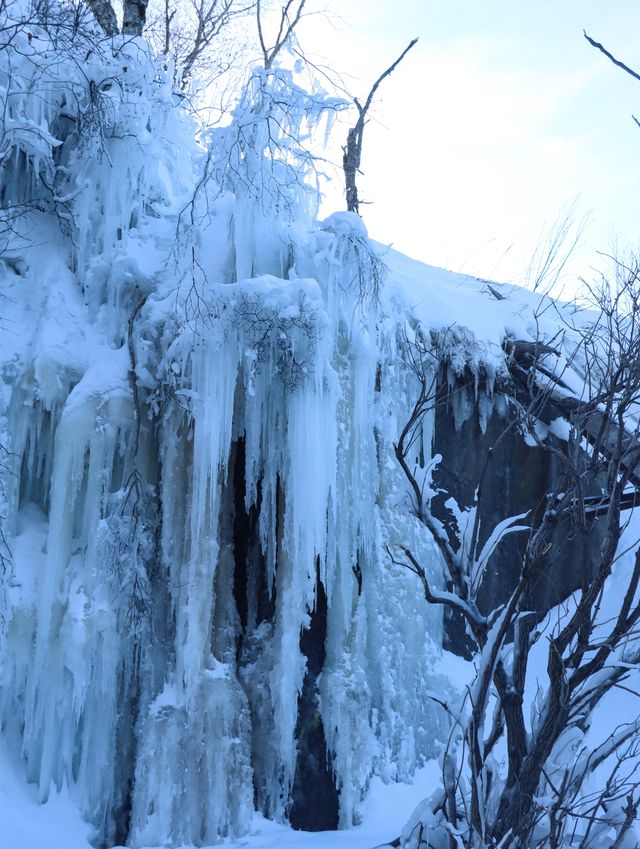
[[513, 476], [314, 796]]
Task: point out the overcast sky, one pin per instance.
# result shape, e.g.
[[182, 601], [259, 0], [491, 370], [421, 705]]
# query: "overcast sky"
[[499, 117]]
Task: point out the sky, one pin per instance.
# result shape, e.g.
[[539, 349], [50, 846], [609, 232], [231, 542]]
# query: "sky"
[[499, 119]]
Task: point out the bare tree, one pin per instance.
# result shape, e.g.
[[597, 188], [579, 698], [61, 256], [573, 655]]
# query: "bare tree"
[[191, 35], [290, 15], [541, 798], [352, 151], [197, 25], [211, 19]]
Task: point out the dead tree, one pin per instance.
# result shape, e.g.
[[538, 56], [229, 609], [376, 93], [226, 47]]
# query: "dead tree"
[[539, 796], [352, 151]]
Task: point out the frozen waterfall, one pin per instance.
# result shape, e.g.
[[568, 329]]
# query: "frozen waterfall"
[[200, 396]]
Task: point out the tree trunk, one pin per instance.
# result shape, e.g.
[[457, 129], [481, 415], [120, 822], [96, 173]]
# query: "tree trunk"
[[102, 11], [135, 15], [351, 163]]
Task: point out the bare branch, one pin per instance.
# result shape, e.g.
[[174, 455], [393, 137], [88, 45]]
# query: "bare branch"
[[610, 56]]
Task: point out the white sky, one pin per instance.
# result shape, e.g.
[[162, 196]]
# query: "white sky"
[[501, 116]]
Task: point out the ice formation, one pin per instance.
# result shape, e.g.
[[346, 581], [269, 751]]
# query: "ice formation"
[[201, 388]]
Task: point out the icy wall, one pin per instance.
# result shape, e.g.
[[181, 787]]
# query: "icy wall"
[[200, 393]]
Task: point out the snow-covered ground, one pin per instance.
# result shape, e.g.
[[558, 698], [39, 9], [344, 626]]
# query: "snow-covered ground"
[[26, 824]]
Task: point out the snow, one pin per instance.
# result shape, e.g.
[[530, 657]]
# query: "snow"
[[25, 823], [57, 825]]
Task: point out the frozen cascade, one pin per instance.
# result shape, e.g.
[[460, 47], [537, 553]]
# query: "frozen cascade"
[[200, 616]]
